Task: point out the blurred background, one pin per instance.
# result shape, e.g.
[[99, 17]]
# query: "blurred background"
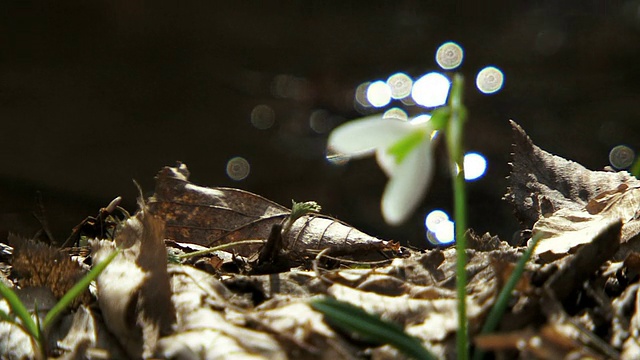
[[95, 94]]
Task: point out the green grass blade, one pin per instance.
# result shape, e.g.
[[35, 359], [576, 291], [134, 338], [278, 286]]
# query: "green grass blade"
[[355, 319], [5, 317], [498, 309], [20, 311], [76, 290]]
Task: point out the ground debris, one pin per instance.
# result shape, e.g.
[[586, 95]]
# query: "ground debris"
[[173, 292]]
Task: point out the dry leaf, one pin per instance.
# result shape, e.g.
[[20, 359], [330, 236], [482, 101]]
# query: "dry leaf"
[[87, 337], [15, 343], [36, 264], [569, 204], [214, 216], [541, 183], [202, 329], [133, 291]]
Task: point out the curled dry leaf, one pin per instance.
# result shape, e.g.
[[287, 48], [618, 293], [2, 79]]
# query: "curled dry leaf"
[[87, 337], [133, 291], [421, 300], [202, 330], [567, 202], [215, 216]]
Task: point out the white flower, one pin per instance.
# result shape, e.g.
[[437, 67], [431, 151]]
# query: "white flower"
[[403, 151]]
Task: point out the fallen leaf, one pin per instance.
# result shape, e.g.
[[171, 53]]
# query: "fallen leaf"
[[541, 183], [202, 329], [87, 337], [567, 203], [133, 291], [215, 216]]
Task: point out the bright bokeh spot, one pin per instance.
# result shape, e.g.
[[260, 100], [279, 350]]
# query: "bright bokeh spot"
[[449, 55], [379, 94], [400, 85], [446, 232], [421, 119], [490, 80], [431, 90], [475, 165], [238, 168], [621, 157], [395, 113], [440, 230]]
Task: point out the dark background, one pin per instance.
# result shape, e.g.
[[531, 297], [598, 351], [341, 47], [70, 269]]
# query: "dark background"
[[94, 94]]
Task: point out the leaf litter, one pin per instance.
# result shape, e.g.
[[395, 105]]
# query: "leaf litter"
[[166, 295]]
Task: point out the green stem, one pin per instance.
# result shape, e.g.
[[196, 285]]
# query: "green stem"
[[220, 247], [454, 135]]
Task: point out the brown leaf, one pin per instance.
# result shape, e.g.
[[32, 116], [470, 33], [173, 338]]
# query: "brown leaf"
[[541, 183], [214, 216], [36, 264], [566, 202]]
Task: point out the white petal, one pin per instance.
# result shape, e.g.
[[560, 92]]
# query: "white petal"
[[386, 161], [361, 137], [408, 185]]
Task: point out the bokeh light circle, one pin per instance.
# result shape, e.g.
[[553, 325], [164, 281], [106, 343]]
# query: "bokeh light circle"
[[440, 230], [361, 95], [400, 85], [431, 90], [621, 157], [490, 80], [262, 117], [238, 168], [475, 166], [395, 113], [378, 94], [449, 55]]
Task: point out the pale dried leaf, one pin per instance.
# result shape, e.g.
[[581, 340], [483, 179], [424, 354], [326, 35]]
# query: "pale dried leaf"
[[133, 291], [15, 343], [203, 330], [631, 347], [306, 330], [88, 337]]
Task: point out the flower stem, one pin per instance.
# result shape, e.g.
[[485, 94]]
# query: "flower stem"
[[454, 135]]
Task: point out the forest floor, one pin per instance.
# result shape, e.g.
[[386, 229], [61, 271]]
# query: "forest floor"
[[208, 273]]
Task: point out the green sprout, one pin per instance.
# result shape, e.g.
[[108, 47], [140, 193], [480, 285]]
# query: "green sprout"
[[372, 328], [34, 328]]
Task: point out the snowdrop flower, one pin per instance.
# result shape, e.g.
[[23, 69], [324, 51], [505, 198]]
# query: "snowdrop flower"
[[403, 151]]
